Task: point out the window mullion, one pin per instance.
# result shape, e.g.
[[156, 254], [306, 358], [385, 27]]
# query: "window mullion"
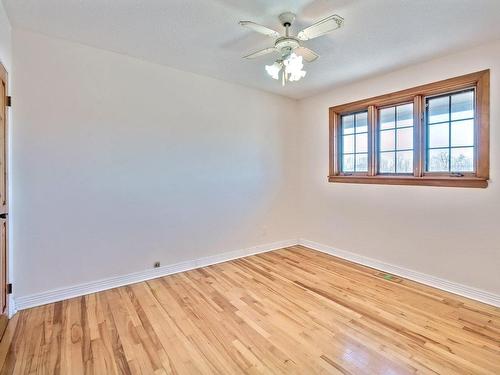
[[418, 136], [372, 141]]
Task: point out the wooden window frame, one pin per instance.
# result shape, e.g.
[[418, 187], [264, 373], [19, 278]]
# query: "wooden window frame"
[[478, 179]]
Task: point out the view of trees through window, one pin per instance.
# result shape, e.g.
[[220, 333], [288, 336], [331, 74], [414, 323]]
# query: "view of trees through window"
[[355, 142], [396, 139], [450, 132]]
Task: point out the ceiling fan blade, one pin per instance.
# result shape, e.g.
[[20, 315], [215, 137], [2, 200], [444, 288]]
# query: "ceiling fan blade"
[[306, 54], [321, 28], [259, 28], [262, 52]]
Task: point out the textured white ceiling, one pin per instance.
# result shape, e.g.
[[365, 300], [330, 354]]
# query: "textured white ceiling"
[[203, 36]]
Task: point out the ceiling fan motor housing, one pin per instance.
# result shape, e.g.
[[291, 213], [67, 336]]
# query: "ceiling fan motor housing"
[[285, 44]]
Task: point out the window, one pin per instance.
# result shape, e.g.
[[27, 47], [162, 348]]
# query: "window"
[[355, 142], [450, 132], [435, 134], [395, 134]]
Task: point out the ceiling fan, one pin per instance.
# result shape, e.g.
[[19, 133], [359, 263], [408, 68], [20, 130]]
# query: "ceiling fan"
[[289, 47]]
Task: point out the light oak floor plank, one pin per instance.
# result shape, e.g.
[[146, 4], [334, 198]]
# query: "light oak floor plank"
[[289, 311]]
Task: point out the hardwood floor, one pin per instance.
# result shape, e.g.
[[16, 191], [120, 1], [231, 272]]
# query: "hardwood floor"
[[290, 311]]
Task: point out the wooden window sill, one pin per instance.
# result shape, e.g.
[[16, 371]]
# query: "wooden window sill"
[[468, 182]]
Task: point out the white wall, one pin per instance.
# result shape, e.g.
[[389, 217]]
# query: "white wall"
[[118, 163], [5, 39], [6, 61], [452, 233]]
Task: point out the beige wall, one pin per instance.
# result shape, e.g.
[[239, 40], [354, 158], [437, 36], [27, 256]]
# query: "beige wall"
[[118, 163], [452, 233]]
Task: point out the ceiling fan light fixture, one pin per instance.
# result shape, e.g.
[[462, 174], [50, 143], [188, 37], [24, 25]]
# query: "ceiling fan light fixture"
[[297, 76], [274, 69], [294, 67]]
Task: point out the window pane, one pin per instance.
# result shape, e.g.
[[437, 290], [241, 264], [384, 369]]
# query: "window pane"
[[348, 144], [438, 160], [404, 162], [348, 124], [387, 118], [439, 135], [405, 139], [462, 159], [405, 115], [387, 163], [361, 162], [439, 109], [387, 140], [362, 142], [362, 122], [462, 105], [454, 141], [348, 163], [394, 139], [462, 133], [355, 142]]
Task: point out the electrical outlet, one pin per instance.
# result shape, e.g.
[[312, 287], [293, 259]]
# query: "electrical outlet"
[[157, 264]]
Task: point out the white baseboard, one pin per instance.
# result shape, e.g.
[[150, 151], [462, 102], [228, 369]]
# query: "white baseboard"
[[21, 303], [436, 282], [43, 298], [12, 306]]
